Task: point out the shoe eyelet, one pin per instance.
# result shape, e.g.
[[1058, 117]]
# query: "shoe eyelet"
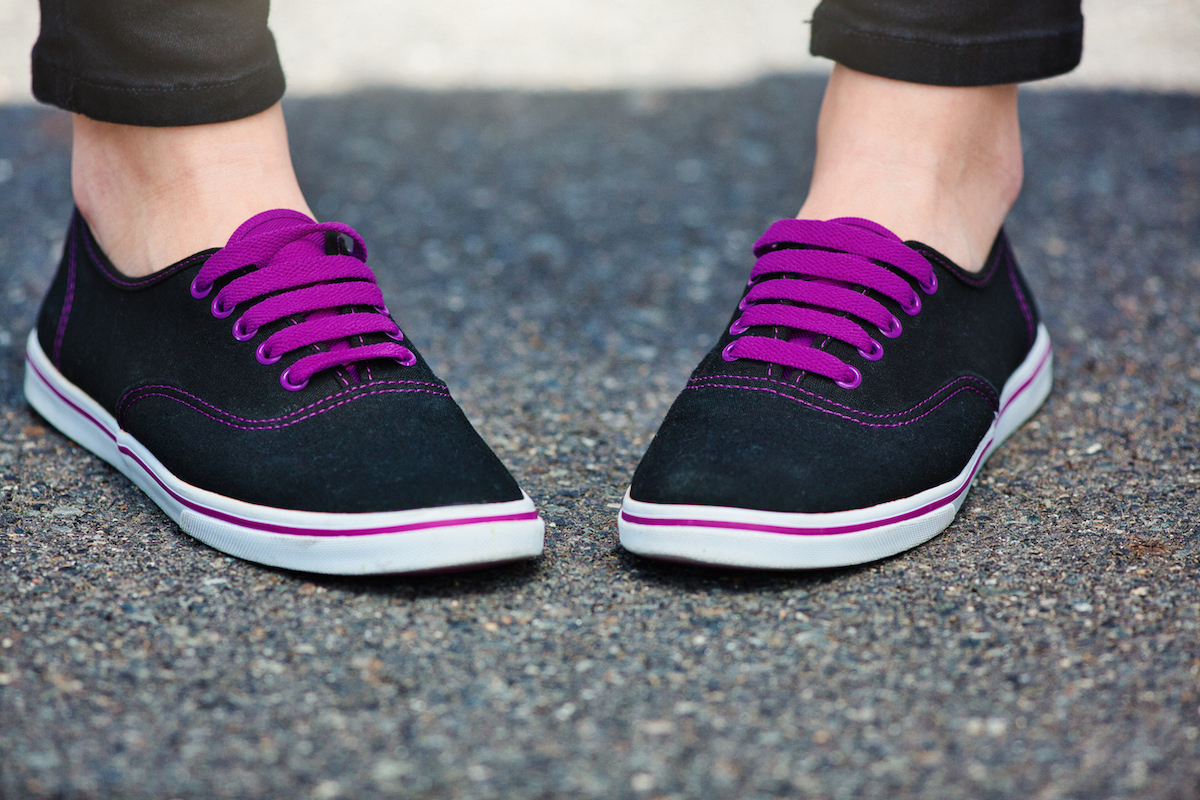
[[219, 311], [737, 328], [407, 360], [285, 380], [742, 304], [932, 286], [851, 381], [873, 353], [913, 307], [397, 334], [265, 358], [726, 353], [380, 308], [893, 329], [241, 332], [198, 292]]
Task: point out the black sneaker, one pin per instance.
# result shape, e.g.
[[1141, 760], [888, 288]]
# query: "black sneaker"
[[843, 415], [262, 396]]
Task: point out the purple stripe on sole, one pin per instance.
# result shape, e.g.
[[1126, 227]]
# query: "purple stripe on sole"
[[69, 401], [838, 529], [1041, 365], [816, 530], [272, 527], [292, 530]]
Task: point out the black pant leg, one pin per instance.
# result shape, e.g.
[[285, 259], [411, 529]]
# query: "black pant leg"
[[951, 42], [157, 62]]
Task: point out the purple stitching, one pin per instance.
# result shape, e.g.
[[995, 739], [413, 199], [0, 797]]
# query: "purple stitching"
[[975, 279], [125, 398], [133, 284], [203, 413], [68, 301], [837, 414], [1012, 274], [991, 392]]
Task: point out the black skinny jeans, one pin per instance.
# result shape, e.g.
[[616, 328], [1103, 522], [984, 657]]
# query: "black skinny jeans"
[[191, 62]]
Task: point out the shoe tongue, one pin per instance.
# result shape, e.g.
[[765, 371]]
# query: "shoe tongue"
[[281, 219]]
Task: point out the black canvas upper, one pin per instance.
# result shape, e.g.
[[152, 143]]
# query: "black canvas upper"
[[381, 437], [749, 434]]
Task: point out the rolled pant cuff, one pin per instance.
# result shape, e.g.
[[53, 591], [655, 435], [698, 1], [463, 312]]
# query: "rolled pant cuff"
[[159, 106], [979, 62]]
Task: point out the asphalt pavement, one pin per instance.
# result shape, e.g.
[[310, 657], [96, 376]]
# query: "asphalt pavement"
[[564, 258]]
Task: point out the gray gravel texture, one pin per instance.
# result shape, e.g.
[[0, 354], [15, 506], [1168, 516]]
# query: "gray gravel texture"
[[565, 258]]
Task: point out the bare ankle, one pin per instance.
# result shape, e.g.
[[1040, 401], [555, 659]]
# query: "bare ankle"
[[938, 164], [155, 195]]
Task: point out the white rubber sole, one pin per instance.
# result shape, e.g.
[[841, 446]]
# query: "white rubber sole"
[[740, 537], [420, 540]]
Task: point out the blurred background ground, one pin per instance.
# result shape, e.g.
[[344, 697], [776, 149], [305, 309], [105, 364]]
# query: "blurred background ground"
[[559, 206]]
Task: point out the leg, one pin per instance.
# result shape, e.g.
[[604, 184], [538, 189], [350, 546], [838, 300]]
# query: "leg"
[[176, 147], [153, 196], [938, 164], [918, 130]]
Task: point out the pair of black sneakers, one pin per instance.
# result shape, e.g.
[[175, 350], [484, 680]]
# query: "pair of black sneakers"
[[263, 397]]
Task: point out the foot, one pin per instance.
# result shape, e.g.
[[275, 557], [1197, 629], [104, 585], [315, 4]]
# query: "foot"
[[153, 196], [843, 415], [941, 165], [264, 398]]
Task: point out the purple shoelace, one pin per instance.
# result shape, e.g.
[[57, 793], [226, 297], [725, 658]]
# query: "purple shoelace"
[[812, 278], [331, 300]]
